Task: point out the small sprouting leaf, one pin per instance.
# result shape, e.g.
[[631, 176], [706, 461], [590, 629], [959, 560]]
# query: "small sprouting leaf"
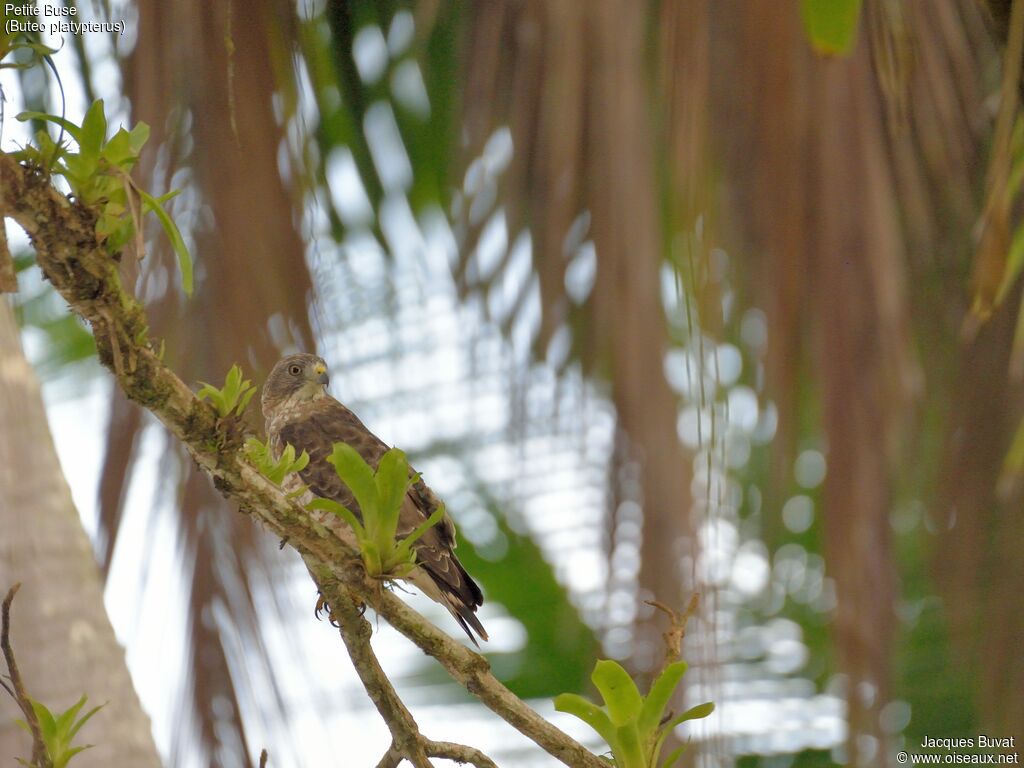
[[403, 552], [122, 151], [71, 753], [233, 397], [118, 151], [659, 695], [67, 717], [618, 689], [82, 721], [94, 131], [47, 723], [693, 713], [139, 135], [59, 731], [262, 457], [392, 483], [243, 402], [214, 395]]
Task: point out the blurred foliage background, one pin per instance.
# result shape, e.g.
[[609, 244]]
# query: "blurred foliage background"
[[661, 296]]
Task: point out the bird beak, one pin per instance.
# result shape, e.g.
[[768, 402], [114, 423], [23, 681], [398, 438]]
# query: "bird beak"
[[321, 374]]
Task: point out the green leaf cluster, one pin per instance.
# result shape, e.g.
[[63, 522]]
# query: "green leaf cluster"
[[233, 398], [380, 495], [98, 174], [59, 731], [275, 470], [634, 726]]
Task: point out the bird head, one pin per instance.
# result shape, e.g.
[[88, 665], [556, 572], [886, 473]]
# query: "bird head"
[[296, 377]]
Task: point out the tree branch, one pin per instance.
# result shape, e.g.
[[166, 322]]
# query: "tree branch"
[[63, 234], [407, 741], [355, 631], [40, 757]]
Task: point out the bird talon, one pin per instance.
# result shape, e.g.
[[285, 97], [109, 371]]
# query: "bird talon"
[[323, 605]]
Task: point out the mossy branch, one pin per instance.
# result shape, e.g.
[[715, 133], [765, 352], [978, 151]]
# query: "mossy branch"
[[86, 275]]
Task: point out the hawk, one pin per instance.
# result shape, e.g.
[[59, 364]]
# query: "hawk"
[[298, 410]]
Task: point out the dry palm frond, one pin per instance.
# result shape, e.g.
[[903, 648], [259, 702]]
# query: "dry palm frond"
[[571, 85], [215, 68]]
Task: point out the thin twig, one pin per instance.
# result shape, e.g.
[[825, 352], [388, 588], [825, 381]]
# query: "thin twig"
[[465, 666], [392, 758], [355, 631], [86, 277], [263, 758], [459, 753], [40, 757], [673, 636], [407, 740]]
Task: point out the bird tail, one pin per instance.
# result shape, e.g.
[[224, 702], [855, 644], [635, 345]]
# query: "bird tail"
[[461, 599]]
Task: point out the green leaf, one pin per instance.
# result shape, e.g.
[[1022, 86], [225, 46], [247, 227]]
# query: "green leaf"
[[620, 693], [426, 525], [150, 203], [588, 712], [628, 752], [392, 483], [122, 151], [66, 718], [357, 475], [831, 25], [72, 129], [262, 457], [674, 756], [71, 753], [47, 725], [118, 151], [693, 713], [403, 552], [84, 719], [139, 135], [328, 505], [243, 403], [658, 697], [214, 395], [94, 131], [232, 398]]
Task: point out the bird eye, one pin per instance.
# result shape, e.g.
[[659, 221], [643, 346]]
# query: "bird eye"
[[294, 370]]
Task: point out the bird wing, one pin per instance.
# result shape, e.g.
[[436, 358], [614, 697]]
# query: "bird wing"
[[329, 422]]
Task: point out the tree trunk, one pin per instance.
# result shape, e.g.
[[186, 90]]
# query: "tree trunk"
[[61, 635]]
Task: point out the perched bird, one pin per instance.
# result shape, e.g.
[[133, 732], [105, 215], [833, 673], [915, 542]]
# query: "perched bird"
[[299, 411]]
